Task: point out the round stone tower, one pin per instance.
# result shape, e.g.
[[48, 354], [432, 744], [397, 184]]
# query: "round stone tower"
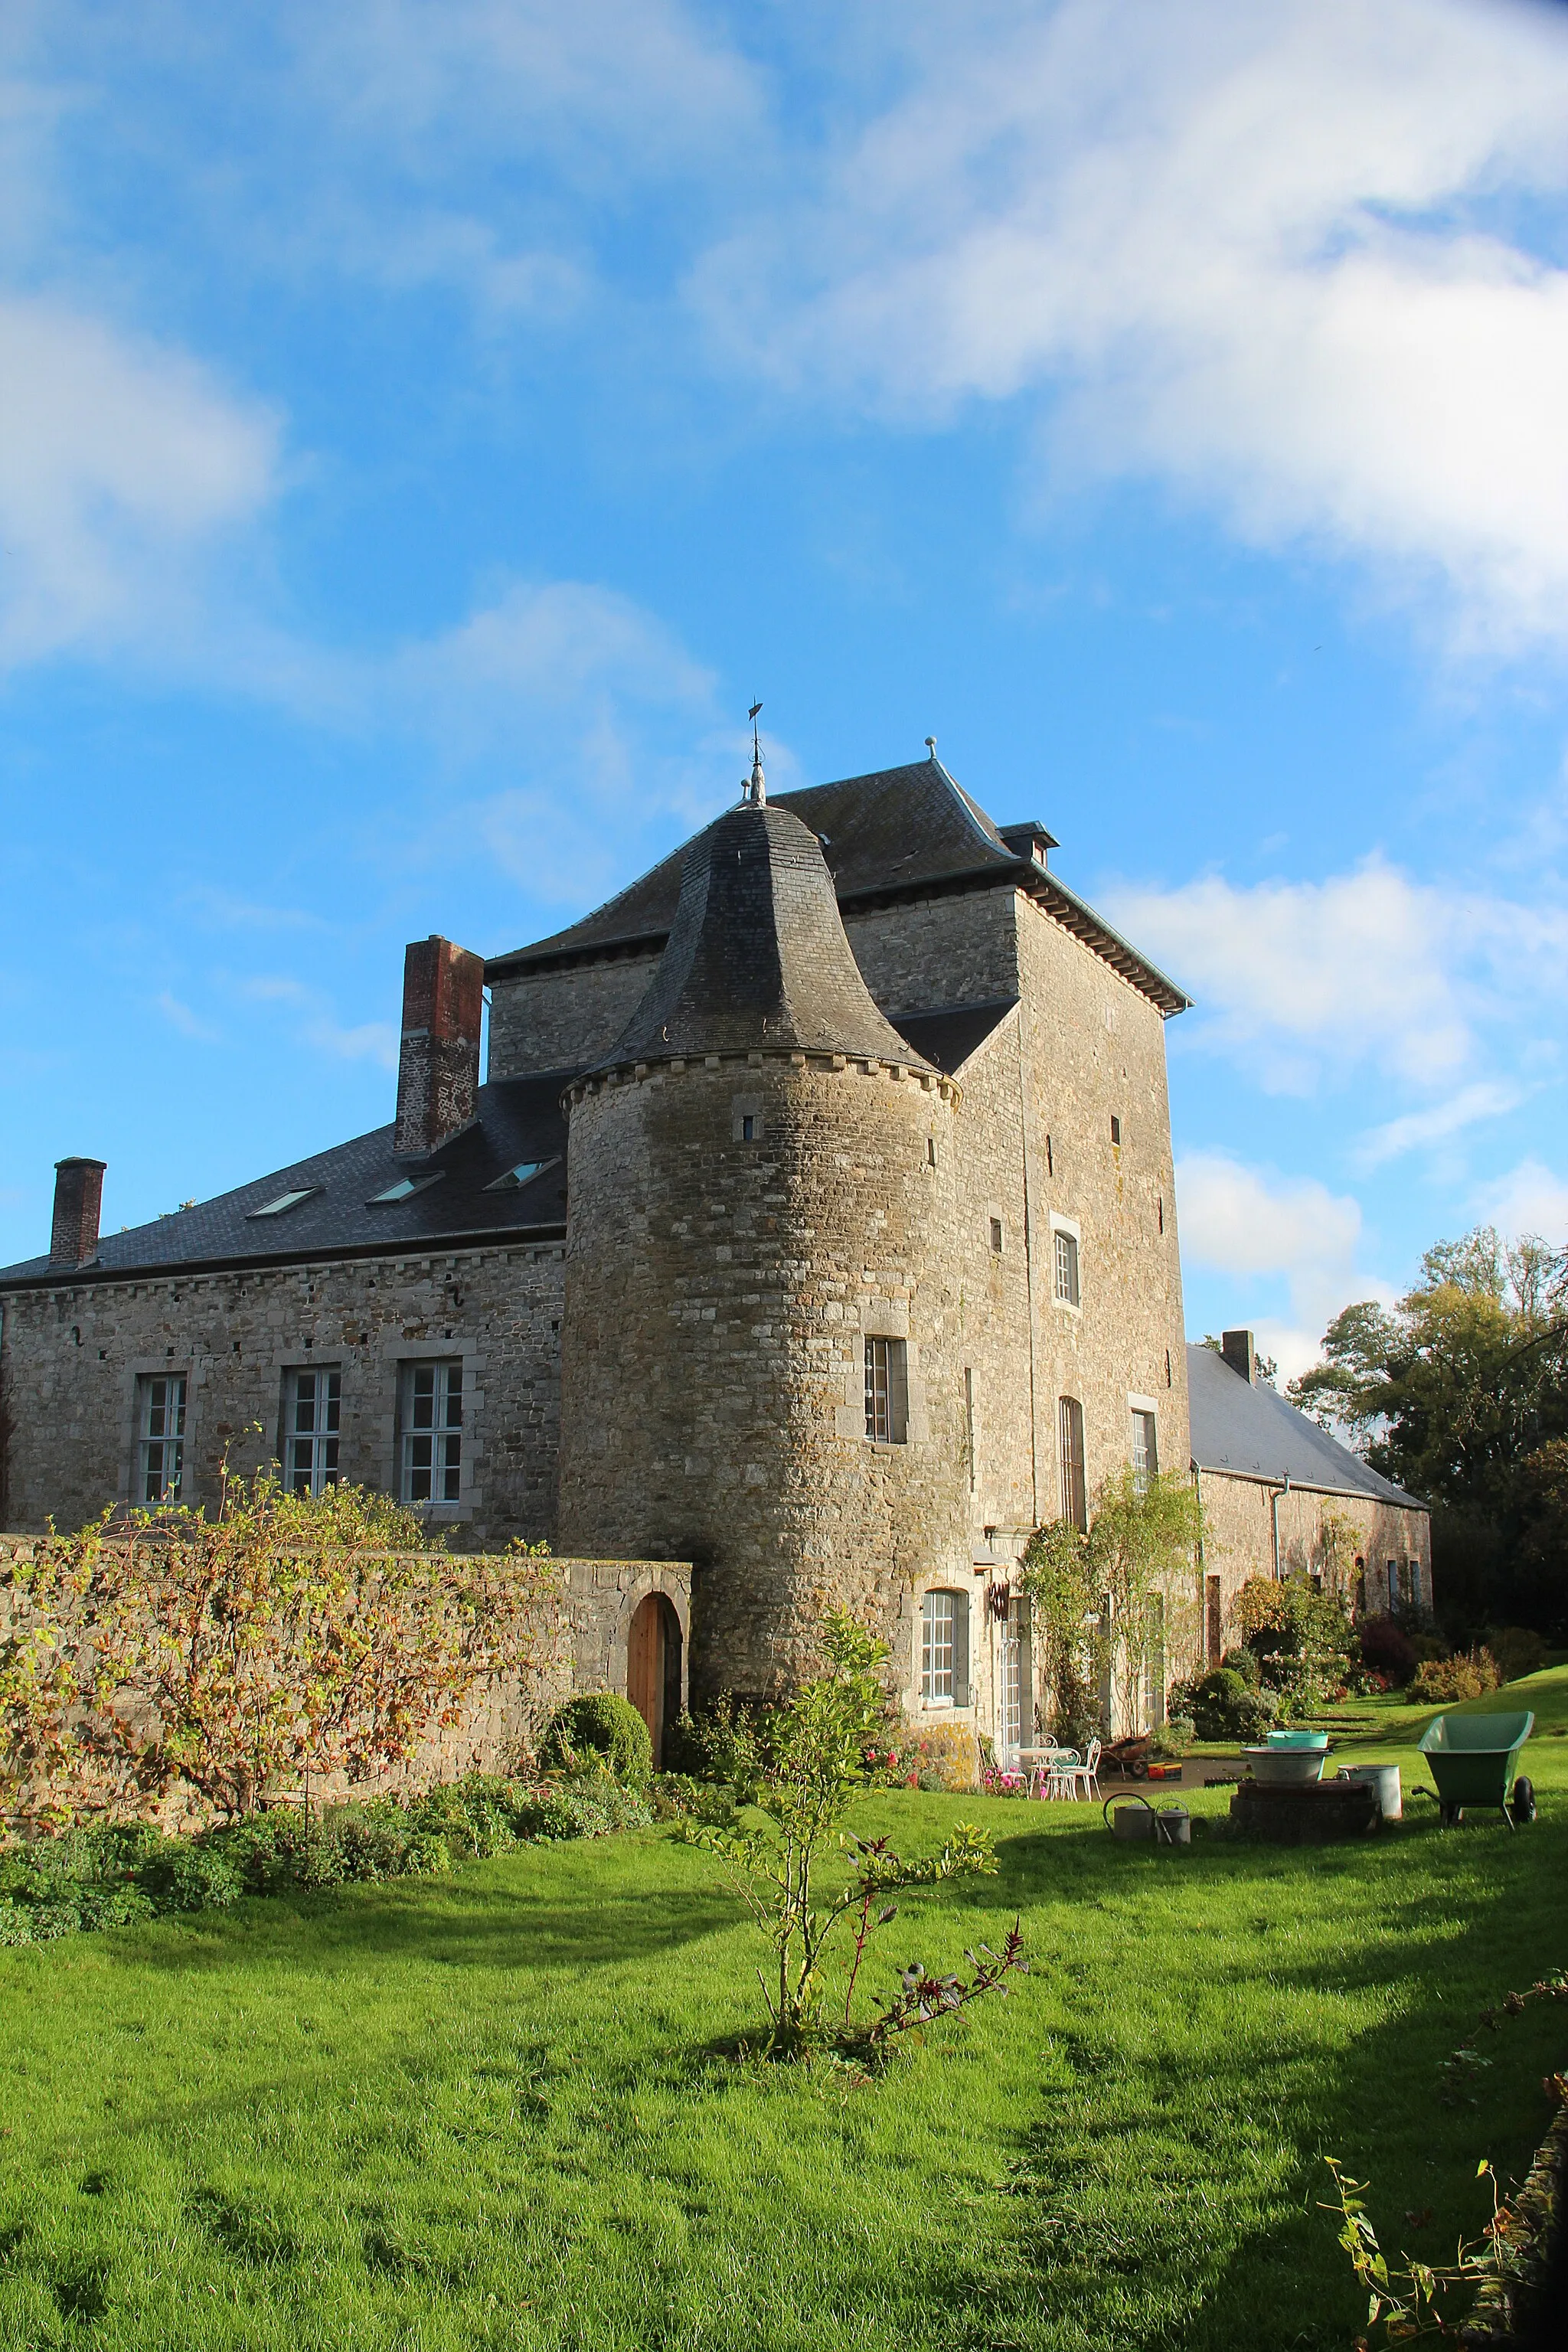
[[760, 1340]]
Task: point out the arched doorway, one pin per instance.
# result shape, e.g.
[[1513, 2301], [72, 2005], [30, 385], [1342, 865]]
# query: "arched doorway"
[[653, 1667]]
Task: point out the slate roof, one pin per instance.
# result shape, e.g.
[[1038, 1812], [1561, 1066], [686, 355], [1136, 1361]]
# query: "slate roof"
[[518, 1120], [947, 1038], [1248, 1428], [896, 832], [756, 956]]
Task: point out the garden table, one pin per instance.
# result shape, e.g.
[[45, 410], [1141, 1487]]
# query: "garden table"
[[1050, 1770]]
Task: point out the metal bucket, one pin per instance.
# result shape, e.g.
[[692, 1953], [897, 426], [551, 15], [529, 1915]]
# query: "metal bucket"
[[1135, 1819], [1384, 1779]]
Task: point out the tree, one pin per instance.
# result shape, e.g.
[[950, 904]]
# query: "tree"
[[815, 1768], [289, 1635], [1450, 1393]]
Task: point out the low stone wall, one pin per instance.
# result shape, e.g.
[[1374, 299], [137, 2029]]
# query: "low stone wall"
[[578, 1636]]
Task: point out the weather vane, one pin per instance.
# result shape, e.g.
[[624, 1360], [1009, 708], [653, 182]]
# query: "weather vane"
[[756, 788]]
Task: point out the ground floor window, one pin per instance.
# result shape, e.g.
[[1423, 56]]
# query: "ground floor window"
[[945, 1649], [1016, 1678], [313, 1406], [160, 1437], [430, 1432]]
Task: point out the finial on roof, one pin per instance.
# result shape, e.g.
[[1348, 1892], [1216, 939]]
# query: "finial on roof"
[[757, 792], [930, 745]]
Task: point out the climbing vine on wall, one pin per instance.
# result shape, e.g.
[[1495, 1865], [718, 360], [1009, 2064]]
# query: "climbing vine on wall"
[[1106, 1601]]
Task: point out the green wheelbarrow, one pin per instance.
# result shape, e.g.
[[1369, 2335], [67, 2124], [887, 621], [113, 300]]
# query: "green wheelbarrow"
[[1473, 1758]]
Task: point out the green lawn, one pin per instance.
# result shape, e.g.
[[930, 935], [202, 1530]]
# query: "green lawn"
[[496, 2110]]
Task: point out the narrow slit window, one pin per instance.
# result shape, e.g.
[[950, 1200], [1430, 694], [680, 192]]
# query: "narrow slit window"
[[931, 1152], [1115, 1129], [997, 1236], [749, 1128]]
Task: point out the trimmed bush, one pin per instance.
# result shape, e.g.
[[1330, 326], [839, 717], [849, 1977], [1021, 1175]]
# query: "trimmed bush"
[[1223, 1706], [600, 1728], [1449, 1681]]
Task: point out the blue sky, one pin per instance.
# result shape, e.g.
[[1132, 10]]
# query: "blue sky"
[[423, 429]]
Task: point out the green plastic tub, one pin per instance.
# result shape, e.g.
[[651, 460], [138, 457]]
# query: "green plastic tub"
[[1474, 1759]]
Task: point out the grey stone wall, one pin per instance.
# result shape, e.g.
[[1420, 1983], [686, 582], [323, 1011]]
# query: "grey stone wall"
[[1238, 1537], [563, 1020], [70, 1359], [957, 948]]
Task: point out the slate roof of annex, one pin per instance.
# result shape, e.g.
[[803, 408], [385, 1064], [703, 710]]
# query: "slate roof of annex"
[[1246, 1428], [895, 833]]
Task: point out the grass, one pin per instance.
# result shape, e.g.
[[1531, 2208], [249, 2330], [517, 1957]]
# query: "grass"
[[498, 2111]]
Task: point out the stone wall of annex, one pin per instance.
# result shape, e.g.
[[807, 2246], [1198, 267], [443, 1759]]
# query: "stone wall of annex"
[[72, 1356], [955, 947], [1238, 1538], [565, 1019]]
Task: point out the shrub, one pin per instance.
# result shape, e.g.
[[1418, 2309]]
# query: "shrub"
[[1223, 1707], [1449, 1681], [678, 1796], [723, 1743], [1518, 1649], [1175, 1735], [1388, 1648], [600, 1726], [942, 1755]]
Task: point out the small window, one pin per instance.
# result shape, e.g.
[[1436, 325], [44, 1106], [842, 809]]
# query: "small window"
[[430, 1432], [160, 1438], [403, 1190], [1167, 1368], [516, 1178], [1115, 1128], [1050, 1169], [945, 1649], [1145, 1450], [996, 1235], [748, 1127], [280, 1206], [1069, 1441], [887, 1391], [1160, 1204], [1065, 1268], [313, 1406], [931, 1152]]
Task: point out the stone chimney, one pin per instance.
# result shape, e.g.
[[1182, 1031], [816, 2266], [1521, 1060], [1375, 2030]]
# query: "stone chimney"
[[79, 1196], [1239, 1353], [438, 1064]]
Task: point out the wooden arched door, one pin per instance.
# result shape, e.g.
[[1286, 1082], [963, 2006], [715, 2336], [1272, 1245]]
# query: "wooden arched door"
[[653, 1667]]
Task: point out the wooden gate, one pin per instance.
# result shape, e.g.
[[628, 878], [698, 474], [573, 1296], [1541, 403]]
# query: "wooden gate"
[[653, 1666]]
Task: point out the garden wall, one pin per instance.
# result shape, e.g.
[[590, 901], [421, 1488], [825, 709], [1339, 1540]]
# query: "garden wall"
[[578, 1640]]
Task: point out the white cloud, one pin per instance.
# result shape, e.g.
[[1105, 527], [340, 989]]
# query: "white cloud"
[[123, 468], [1278, 257], [1301, 981], [1252, 1223], [189, 1024], [317, 1025], [1530, 1199], [1416, 1130]]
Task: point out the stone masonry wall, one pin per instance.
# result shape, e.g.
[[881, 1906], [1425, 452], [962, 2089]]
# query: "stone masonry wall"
[[952, 949], [577, 1641], [718, 1297], [1238, 1537], [566, 1019], [70, 1359]]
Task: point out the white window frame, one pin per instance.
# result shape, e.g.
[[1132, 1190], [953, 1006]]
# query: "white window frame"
[[887, 1360], [428, 1387], [1144, 1417], [156, 1404], [944, 1648], [311, 1450], [1066, 1229]]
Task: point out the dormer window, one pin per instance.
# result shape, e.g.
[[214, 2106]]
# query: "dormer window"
[[403, 1190]]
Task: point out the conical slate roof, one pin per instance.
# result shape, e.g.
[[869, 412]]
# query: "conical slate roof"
[[756, 958]]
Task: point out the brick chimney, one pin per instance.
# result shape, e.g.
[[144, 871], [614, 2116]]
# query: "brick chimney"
[[79, 1196], [439, 1065], [1239, 1353]]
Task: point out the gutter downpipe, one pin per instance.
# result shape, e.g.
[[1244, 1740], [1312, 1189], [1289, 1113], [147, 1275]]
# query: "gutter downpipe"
[[1273, 1515]]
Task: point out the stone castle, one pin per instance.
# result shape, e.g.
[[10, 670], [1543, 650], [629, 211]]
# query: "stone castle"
[[814, 1225]]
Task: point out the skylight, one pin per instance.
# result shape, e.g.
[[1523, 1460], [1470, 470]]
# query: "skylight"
[[284, 1202], [523, 1174], [403, 1190]]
